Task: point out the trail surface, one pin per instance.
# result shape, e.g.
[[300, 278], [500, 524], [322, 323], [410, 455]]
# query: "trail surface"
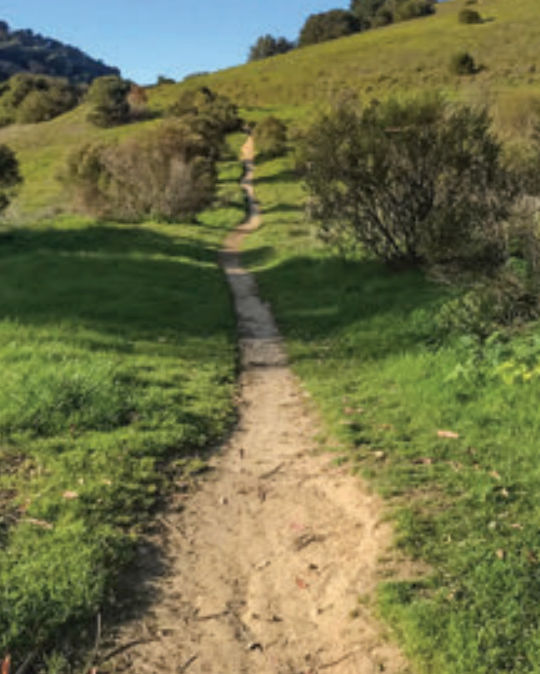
[[268, 560]]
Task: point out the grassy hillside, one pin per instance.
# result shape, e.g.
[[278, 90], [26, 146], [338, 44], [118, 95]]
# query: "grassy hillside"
[[402, 58]]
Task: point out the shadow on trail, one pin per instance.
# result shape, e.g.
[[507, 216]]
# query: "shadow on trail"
[[374, 310]]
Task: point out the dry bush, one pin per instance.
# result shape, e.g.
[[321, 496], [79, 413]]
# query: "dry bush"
[[167, 173]]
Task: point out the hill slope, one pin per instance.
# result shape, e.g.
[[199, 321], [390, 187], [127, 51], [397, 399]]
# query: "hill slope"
[[404, 57]]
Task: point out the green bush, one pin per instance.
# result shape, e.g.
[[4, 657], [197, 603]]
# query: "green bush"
[[412, 9], [463, 63], [209, 114], [28, 99], [271, 137], [10, 177], [166, 173], [328, 26], [108, 97], [417, 183], [467, 15]]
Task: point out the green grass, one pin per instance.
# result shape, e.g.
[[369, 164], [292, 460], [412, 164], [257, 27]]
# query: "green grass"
[[118, 361], [366, 344]]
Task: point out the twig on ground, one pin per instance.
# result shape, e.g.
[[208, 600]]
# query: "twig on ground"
[[212, 616], [187, 664], [175, 530], [124, 648], [329, 665], [275, 470]]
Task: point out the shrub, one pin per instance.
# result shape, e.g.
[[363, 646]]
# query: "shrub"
[[271, 137], [413, 183], [374, 13], [29, 99], [328, 26], [108, 97], [463, 63], [10, 177], [211, 115], [166, 173], [467, 15], [411, 9]]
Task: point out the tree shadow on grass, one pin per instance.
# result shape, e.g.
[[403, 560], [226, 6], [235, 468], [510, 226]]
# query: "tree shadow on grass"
[[282, 208], [126, 281], [380, 311], [287, 176]]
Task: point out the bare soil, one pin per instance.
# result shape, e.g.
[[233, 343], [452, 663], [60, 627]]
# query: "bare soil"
[[267, 561]]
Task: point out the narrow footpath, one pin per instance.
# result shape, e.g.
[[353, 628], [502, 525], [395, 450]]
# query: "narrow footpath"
[[266, 563]]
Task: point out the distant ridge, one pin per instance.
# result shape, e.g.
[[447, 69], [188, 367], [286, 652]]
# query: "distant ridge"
[[26, 51]]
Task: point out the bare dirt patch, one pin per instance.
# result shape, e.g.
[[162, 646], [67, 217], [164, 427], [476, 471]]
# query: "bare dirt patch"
[[268, 559]]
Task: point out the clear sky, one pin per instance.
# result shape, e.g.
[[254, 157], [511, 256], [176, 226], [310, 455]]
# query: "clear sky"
[[147, 38]]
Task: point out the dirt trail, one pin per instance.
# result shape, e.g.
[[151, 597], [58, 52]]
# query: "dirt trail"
[[269, 558]]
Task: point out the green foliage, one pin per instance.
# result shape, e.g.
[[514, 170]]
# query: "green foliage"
[[268, 45], [165, 173], [462, 63], [271, 137], [376, 13], [28, 99], [108, 97], [327, 26], [467, 15], [210, 114], [10, 177], [412, 9], [414, 183]]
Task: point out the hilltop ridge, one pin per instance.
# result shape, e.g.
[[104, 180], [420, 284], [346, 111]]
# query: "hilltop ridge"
[[26, 51]]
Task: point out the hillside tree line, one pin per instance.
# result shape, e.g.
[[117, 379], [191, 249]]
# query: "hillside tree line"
[[362, 15]]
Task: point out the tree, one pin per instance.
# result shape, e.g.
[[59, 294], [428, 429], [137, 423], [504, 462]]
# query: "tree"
[[271, 137], [365, 11], [328, 26], [10, 177], [415, 183], [27, 98], [108, 97], [374, 13], [267, 46]]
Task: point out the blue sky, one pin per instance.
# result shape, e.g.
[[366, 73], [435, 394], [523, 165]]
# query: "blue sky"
[[146, 38]]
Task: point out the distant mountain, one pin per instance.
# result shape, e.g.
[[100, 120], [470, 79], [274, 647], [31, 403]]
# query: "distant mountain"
[[26, 51]]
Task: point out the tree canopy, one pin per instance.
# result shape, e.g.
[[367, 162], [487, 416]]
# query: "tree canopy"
[[327, 26], [268, 45]]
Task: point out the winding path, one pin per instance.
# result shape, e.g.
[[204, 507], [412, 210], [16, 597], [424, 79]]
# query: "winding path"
[[269, 558]]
